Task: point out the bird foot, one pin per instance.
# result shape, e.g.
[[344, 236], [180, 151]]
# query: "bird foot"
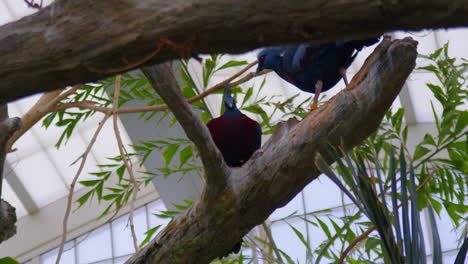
[[343, 74], [313, 107]]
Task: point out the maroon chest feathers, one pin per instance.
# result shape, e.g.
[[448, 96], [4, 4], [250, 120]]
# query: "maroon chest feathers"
[[237, 137]]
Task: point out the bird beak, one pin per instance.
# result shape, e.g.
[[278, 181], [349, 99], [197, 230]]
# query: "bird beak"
[[259, 69]]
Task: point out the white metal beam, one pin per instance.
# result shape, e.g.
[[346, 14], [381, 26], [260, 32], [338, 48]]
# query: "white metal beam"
[[18, 187], [406, 102], [177, 187]]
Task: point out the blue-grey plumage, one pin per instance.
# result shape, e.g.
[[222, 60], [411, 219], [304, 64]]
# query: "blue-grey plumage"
[[312, 67]]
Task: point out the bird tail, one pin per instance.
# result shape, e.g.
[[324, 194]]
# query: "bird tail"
[[233, 250], [359, 44]]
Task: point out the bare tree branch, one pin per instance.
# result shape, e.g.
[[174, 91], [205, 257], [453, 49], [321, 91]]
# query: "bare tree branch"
[[285, 164], [7, 220], [71, 191], [78, 41], [47, 103], [165, 84], [125, 159]]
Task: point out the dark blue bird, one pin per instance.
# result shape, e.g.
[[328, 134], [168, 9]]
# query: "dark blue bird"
[[312, 67], [236, 136]]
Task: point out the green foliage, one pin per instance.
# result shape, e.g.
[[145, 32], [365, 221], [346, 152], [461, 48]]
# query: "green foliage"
[[165, 215], [365, 196], [69, 118], [116, 195], [8, 260]]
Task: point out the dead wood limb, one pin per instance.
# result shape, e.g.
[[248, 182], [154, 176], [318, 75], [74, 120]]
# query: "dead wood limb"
[[7, 213], [78, 41]]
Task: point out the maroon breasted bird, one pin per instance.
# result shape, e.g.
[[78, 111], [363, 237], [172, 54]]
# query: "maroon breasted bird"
[[237, 137], [313, 68]]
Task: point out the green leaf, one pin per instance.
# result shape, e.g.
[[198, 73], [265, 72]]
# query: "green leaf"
[[247, 96], [255, 109], [49, 119], [169, 152], [82, 200], [372, 243], [428, 139], [300, 236], [436, 247], [89, 183], [111, 196], [288, 258], [232, 63], [324, 228], [208, 69], [120, 172], [103, 174], [436, 205], [205, 117], [114, 190], [436, 53], [397, 119], [455, 211], [8, 260], [420, 151], [185, 154], [64, 122], [99, 189], [462, 121], [405, 134], [149, 234], [438, 93], [431, 68]]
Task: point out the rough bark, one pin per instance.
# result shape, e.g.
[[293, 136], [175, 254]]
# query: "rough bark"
[[285, 164], [7, 220], [72, 42], [7, 213]]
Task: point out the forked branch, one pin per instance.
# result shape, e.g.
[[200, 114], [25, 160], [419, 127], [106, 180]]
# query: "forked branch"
[[284, 165]]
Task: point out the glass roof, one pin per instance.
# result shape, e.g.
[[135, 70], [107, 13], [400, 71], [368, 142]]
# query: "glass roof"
[[36, 149]]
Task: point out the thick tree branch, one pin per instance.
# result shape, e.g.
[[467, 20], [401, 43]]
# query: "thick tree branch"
[[7, 213], [47, 103], [165, 84], [77, 41], [7, 220], [285, 164]]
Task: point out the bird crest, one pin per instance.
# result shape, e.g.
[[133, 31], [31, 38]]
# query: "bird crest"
[[229, 101]]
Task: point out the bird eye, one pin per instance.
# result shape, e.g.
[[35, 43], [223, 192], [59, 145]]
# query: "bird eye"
[[261, 59]]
